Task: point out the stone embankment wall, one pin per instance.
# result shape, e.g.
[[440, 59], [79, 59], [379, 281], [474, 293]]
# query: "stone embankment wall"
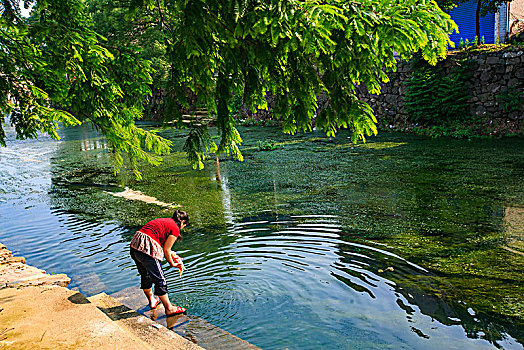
[[492, 74]]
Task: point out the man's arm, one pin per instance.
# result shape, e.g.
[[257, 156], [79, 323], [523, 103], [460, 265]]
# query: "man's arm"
[[167, 250]]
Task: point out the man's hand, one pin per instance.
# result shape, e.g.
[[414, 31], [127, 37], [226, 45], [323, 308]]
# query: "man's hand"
[[177, 260]]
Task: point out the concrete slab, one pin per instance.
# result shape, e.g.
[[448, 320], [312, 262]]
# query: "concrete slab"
[[53, 317], [139, 326], [14, 273], [190, 327]]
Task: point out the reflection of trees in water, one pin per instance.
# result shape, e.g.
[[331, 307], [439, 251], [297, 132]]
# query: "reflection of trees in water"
[[82, 174], [423, 290], [477, 326]]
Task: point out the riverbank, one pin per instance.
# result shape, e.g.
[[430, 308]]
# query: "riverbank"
[[37, 310]]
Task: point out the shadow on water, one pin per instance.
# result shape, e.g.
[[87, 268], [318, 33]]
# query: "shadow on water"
[[396, 243]]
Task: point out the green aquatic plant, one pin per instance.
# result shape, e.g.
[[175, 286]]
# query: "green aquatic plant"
[[435, 96], [443, 204], [267, 145]]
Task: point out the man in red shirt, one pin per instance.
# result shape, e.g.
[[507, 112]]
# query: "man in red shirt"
[[149, 246]]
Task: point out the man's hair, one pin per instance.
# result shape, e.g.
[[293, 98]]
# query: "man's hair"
[[179, 216]]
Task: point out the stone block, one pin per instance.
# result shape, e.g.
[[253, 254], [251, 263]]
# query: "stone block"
[[509, 55], [493, 60], [485, 76], [513, 82], [501, 69], [391, 99], [485, 97], [515, 60], [493, 88], [480, 110], [509, 68]]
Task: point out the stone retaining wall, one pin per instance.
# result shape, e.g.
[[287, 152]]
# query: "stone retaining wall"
[[492, 73]]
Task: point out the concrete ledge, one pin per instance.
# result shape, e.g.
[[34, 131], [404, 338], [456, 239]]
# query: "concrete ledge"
[[14, 273], [37, 311], [140, 326]]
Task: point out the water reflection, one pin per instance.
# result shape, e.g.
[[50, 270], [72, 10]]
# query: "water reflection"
[[305, 247], [296, 266]]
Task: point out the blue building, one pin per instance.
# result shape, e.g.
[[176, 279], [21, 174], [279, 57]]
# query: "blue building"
[[492, 26]]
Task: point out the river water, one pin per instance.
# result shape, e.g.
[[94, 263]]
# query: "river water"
[[400, 243]]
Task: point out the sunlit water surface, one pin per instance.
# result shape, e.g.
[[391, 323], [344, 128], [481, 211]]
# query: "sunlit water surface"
[[314, 245]]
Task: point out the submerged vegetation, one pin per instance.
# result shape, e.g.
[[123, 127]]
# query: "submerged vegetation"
[[447, 205]]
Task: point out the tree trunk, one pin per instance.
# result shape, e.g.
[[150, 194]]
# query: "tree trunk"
[[477, 23]]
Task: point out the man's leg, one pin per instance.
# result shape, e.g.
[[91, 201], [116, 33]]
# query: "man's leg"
[[145, 280], [150, 297]]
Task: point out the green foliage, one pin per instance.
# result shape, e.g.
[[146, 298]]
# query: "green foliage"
[[295, 50], [198, 139], [448, 5], [434, 97], [136, 32], [466, 44], [208, 52], [512, 100], [455, 130], [56, 69], [235, 106]]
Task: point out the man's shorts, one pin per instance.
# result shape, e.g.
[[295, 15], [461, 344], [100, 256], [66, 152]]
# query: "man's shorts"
[[151, 272]]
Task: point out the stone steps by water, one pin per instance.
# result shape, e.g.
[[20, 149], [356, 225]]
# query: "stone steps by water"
[[140, 327], [15, 273], [38, 311], [190, 327]]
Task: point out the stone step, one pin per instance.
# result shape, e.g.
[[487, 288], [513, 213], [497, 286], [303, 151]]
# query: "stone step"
[[140, 327], [15, 273], [190, 327], [38, 311], [54, 317]]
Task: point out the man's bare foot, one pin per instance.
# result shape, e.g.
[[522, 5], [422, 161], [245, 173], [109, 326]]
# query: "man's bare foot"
[[154, 302], [175, 310]]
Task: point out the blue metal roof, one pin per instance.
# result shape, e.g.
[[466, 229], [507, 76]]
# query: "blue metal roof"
[[464, 16]]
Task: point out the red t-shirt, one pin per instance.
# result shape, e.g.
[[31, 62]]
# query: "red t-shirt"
[[160, 229]]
